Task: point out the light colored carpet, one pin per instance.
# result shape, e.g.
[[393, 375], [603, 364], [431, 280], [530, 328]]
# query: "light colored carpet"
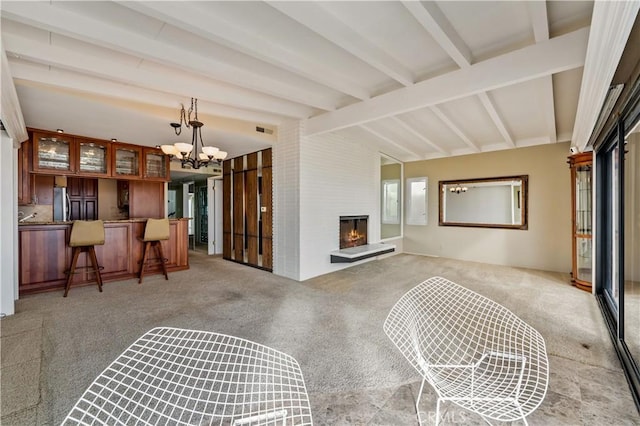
[[331, 324]]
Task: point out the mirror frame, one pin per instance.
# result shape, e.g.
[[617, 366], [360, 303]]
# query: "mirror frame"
[[525, 202]]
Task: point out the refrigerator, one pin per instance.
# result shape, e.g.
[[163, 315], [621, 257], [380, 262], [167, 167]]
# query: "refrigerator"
[[61, 204]]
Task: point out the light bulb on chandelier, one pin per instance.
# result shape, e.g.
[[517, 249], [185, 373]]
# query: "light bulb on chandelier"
[[458, 189], [182, 151]]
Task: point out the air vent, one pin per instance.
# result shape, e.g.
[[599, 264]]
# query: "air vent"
[[263, 130]]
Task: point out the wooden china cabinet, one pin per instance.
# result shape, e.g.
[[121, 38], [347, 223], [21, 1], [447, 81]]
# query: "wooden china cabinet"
[[582, 219]]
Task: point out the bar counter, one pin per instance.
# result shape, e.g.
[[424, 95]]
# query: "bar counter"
[[44, 254]]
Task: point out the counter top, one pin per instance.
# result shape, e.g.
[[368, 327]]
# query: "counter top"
[[60, 222]]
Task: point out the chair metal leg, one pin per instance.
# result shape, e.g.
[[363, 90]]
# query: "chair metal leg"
[[72, 269], [418, 402]]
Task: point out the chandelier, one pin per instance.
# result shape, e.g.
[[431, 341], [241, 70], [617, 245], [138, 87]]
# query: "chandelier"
[[458, 189], [182, 151]]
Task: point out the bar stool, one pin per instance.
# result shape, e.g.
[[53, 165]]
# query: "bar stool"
[[155, 231], [85, 235]]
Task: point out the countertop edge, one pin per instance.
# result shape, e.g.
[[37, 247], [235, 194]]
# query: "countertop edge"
[[33, 223]]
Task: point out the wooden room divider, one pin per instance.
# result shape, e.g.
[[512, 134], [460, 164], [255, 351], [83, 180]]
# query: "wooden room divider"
[[247, 210]]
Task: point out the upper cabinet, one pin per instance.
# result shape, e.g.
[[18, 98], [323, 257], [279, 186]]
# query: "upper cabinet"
[[126, 161], [156, 164], [94, 158], [53, 153], [70, 155]]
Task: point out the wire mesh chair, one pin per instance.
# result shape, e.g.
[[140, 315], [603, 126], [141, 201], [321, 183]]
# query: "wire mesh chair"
[[471, 350], [171, 376]]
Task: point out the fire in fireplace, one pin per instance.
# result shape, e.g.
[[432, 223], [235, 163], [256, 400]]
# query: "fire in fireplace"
[[353, 231]]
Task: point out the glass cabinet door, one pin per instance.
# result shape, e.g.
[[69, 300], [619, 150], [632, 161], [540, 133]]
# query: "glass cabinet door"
[[126, 160], [582, 220], [93, 157], [52, 153], [155, 164]]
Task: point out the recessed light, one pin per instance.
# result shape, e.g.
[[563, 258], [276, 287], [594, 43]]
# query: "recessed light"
[[114, 140], [59, 130]]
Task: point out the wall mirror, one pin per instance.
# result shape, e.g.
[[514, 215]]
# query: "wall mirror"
[[499, 202], [390, 197]]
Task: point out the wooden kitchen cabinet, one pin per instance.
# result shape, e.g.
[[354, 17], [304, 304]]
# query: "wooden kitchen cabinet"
[[57, 153], [93, 157], [53, 153], [126, 161], [25, 195], [155, 164], [146, 199], [120, 254], [42, 189]]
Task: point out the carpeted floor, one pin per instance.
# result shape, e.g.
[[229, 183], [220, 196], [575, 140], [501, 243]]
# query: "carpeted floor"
[[331, 324]]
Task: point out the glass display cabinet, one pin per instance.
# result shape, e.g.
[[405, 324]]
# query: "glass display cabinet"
[[126, 160], [582, 219], [156, 164], [53, 153], [93, 158]]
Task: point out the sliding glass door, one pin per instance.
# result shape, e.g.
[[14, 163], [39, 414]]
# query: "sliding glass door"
[[631, 216], [610, 225], [618, 237]]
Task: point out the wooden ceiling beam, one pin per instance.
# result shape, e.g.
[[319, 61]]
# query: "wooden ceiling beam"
[[221, 30], [52, 18], [206, 89], [535, 61], [540, 24], [321, 21]]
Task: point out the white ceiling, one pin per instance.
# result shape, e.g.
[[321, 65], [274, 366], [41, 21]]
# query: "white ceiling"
[[418, 79]]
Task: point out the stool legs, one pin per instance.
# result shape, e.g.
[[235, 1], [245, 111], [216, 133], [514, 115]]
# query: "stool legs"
[[145, 253], [72, 270], [96, 268], [157, 245]]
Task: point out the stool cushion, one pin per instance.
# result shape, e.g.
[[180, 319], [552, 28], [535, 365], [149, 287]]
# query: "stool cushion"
[[87, 233], [156, 229]]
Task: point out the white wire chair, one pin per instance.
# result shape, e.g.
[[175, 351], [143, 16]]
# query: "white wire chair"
[[471, 350], [171, 376]]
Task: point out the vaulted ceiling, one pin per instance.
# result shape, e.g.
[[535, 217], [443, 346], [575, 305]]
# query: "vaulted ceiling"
[[419, 80]]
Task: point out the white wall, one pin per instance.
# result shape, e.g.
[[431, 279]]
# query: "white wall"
[[286, 201], [338, 177], [8, 225], [315, 181]]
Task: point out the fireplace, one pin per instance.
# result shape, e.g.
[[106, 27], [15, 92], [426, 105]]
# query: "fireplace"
[[353, 231]]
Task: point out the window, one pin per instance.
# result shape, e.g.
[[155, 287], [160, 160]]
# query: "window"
[[391, 201], [417, 195]]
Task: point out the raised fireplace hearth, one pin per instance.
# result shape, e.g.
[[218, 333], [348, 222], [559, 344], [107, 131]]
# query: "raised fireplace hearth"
[[354, 243]]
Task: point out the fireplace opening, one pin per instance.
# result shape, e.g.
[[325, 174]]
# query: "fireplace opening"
[[353, 231]]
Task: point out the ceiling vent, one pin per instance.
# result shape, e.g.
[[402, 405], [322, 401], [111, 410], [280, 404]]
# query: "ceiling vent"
[[264, 130]]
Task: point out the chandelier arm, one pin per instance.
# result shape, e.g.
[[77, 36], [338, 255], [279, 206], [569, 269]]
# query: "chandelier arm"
[[195, 158]]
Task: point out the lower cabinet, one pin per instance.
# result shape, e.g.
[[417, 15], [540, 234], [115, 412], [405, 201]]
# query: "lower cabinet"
[[44, 254]]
